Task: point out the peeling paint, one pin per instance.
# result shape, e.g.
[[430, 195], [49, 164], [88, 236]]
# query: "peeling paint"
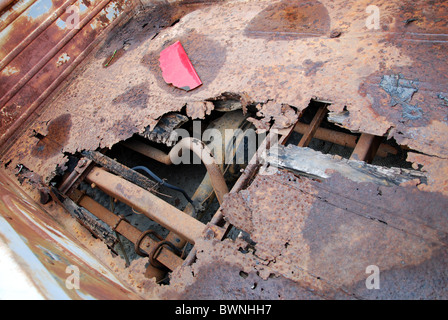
[[39, 8], [64, 58], [10, 70]]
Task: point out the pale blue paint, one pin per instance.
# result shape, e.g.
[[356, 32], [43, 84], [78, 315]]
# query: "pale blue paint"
[[39, 8], [82, 8], [61, 23]]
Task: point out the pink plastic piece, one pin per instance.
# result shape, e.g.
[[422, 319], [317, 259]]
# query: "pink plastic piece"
[[177, 68]]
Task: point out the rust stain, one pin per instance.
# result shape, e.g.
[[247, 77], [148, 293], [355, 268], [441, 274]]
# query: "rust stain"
[[124, 128], [135, 97], [422, 82], [290, 20], [58, 133]]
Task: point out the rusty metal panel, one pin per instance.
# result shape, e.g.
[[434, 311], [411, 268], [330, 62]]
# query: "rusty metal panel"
[[335, 229], [45, 46], [44, 251], [26, 23]]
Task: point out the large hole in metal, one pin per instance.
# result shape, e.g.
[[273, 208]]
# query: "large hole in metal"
[[228, 136]]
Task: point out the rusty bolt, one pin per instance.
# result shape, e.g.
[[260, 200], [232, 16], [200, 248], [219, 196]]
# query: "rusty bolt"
[[82, 163], [93, 185], [209, 234]]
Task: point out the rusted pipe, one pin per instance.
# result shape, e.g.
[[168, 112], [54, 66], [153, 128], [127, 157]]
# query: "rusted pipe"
[[366, 148], [148, 151], [198, 148], [148, 204], [166, 257], [249, 172], [342, 139]]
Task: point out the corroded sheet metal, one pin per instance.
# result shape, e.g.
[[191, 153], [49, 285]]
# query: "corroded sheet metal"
[[335, 229], [223, 272], [435, 168], [44, 251], [41, 46], [290, 51]]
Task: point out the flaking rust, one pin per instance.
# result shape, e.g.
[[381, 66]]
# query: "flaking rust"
[[295, 64], [310, 238]]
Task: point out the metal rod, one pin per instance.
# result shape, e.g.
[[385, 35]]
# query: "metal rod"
[[166, 257], [366, 148], [342, 139], [148, 204], [317, 120]]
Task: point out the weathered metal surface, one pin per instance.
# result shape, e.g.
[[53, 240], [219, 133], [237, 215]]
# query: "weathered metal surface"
[[227, 270], [11, 13], [387, 81], [164, 130], [283, 66], [199, 109], [41, 46], [336, 228], [89, 221], [436, 170], [273, 115], [17, 48], [44, 250]]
